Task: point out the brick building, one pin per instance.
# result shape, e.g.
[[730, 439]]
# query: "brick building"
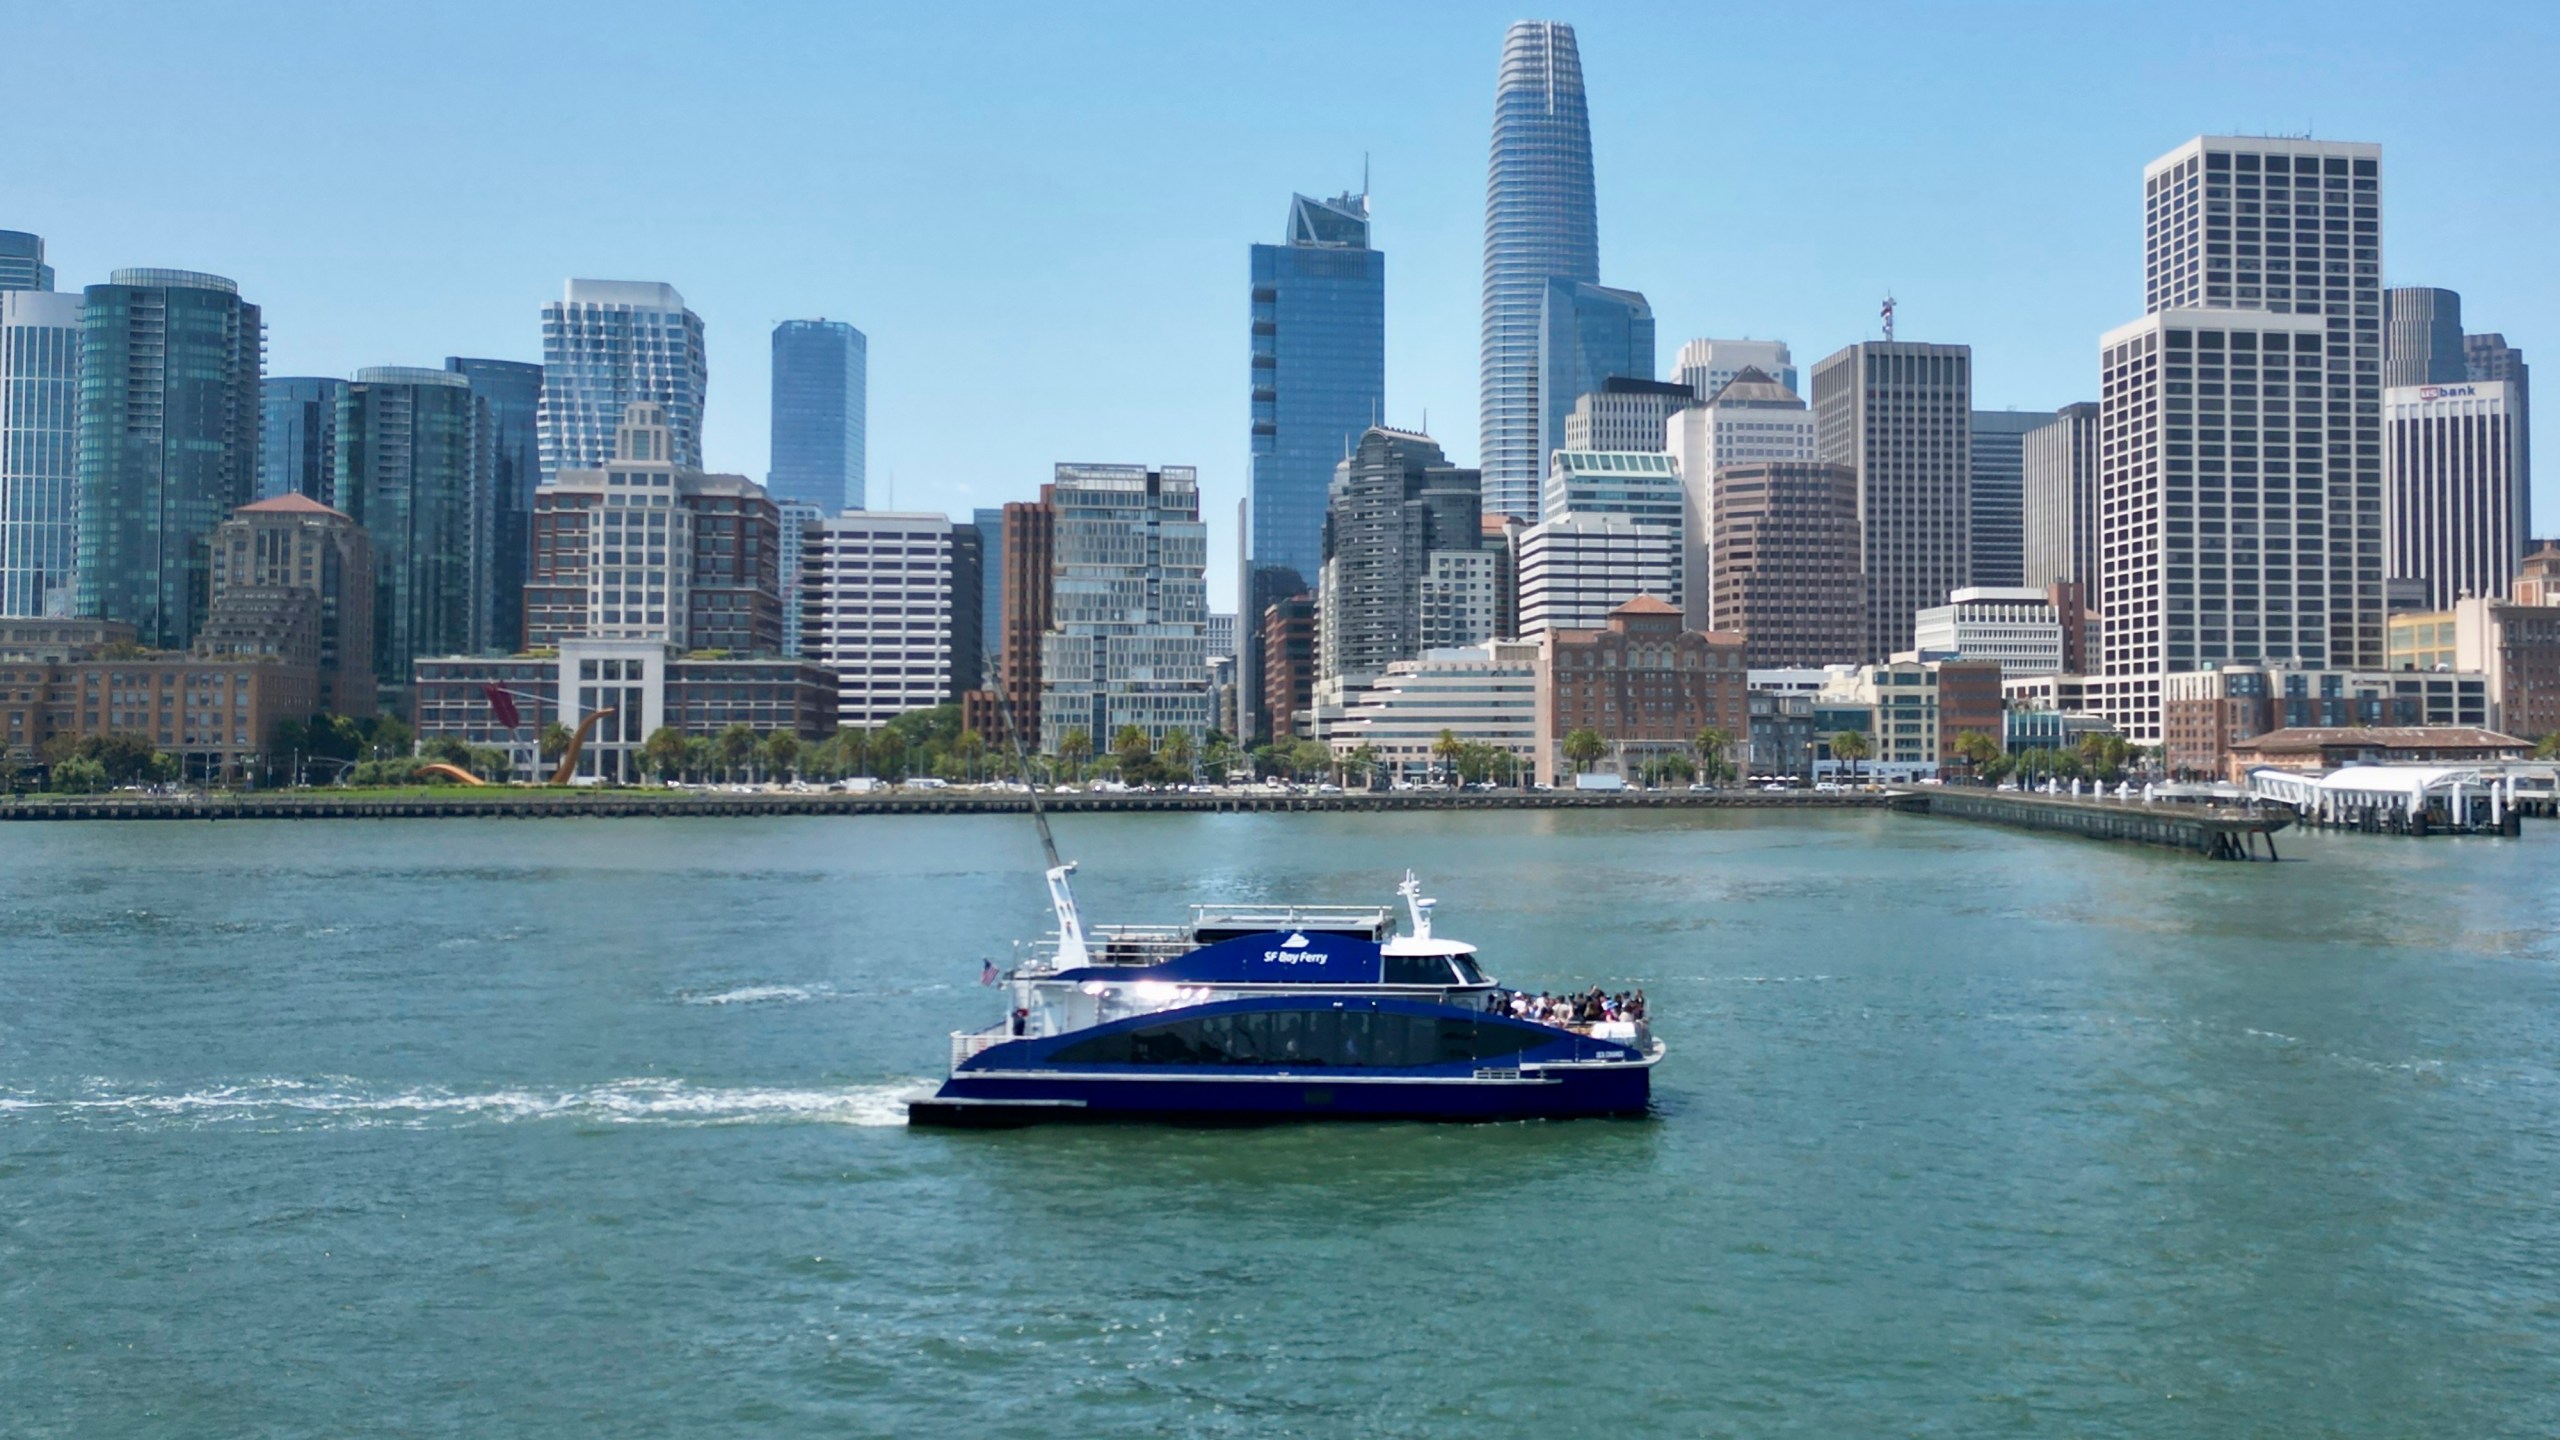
[[1646, 684], [1288, 661]]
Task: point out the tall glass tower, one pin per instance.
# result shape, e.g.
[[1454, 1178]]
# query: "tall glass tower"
[[821, 391], [605, 345], [1587, 334], [412, 469], [169, 418], [39, 450], [512, 390], [22, 264], [298, 447], [1319, 370], [1541, 222]]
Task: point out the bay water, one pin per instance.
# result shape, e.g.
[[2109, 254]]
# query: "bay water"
[[595, 1127]]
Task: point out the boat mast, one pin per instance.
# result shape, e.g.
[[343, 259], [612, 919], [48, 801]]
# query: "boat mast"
[[1072, 953]]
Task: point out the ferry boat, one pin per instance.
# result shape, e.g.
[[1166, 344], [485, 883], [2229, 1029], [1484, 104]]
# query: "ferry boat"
[[1252, 1014]]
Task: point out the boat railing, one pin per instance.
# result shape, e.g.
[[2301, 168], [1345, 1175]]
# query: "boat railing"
[[968, 1044], [1292, 917], [1130, 945]]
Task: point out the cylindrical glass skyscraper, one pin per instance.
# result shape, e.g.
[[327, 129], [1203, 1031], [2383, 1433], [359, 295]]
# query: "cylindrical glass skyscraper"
[[1541, 222]]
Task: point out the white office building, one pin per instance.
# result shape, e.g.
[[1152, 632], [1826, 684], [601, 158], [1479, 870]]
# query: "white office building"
[[39, 449], [607, 344], [1625, 414], [1458, 599], [2058, 466], [875, 607], [1613, 530], [1707, 366], [2019, 628], [2459, 517], [1754, 417], [2292, 227], [2218, 553], [1484, 694]]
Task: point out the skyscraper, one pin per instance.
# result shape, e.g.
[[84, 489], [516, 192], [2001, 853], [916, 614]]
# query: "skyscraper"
[[2422, 337], [2058, 495], [2490, 357], [607, 344], [1587, 335], [22, 264], [39, 450], [1612, 530], [1541, 223], [168, 442], [413, 472], [511, 391], [1748, 419], [821, 400], [989, 521], [1127, 642], [1396, 504], [1319, 370], [1785, 562], [1707, 365], [1900, 414], [2179, 590], [298, 436], [2458, 520], [1997, 495], [2308, 215]]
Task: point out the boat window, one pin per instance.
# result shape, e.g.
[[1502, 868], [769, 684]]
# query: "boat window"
[[1467, 970], [1417, 969], [1366, 1039]]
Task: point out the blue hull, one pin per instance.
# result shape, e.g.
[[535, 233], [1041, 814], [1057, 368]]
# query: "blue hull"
[[1206, 1099]]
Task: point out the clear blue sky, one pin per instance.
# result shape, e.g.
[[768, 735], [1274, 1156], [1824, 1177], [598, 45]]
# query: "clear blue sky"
[[1039, 214]]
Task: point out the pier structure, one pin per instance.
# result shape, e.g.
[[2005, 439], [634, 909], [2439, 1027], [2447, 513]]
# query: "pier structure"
[[2413, 799], [2217, 832]]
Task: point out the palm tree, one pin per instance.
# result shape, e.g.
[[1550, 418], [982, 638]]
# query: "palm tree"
[[782, 754], [734, 747], [555, 740], [663, 752], [1978, 750], [1179, 752], [1583, 749], [1711, 743], [1852, 746], [972, 749], [1075, 747], [2548, 748], [1446, 750], [1363, 761]]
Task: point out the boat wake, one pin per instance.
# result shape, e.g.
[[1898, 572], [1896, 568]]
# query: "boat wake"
[[756, 995], [343, 1104]]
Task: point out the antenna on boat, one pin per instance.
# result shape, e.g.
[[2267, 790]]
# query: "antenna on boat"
[[1071, 947], [1419, 904]]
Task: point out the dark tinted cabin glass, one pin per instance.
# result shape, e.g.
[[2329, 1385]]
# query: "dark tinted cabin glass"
[[1303, 1038]]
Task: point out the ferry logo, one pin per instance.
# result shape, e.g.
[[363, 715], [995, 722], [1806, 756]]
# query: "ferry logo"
[[1294, 942]]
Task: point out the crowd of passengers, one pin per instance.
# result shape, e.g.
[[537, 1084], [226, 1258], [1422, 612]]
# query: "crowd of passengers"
[[1587, 1008]]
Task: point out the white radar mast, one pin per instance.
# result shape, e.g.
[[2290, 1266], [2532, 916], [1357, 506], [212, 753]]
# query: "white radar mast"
[[1418, 904]]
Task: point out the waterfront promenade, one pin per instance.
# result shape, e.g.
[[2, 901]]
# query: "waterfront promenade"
[[646, 803]]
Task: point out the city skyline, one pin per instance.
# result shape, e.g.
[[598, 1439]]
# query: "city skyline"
[[1764, 242]]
